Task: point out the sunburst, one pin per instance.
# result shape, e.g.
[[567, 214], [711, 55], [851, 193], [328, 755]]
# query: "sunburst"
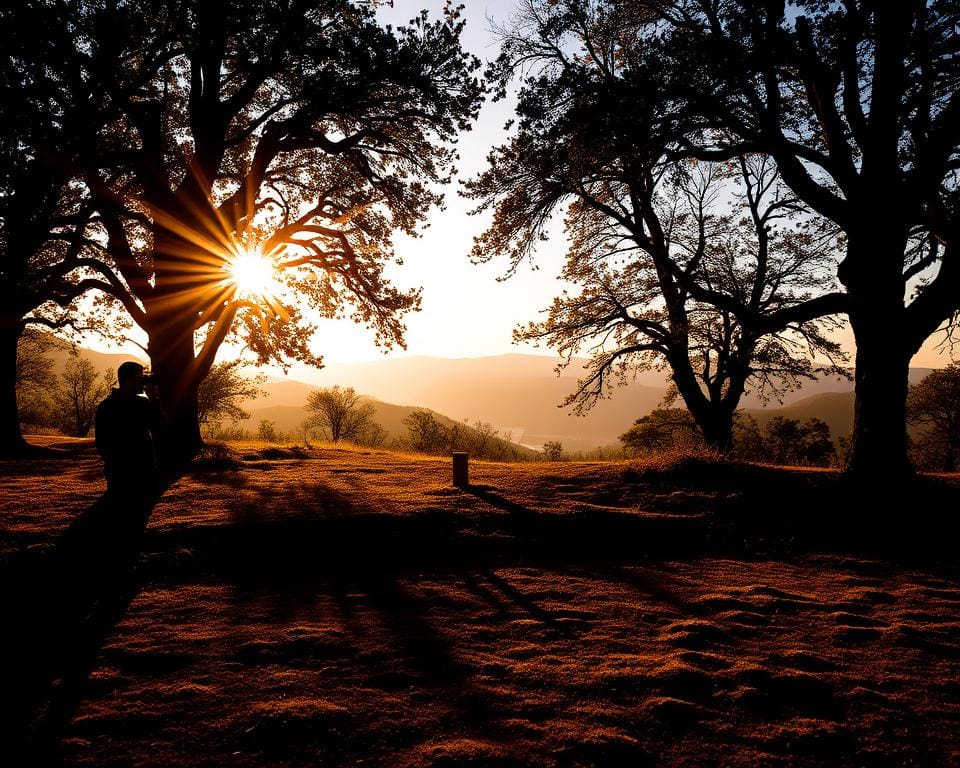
[[253, 275]]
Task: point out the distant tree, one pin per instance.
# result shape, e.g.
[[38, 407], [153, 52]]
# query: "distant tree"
[[553, 450], [35, 379], [748, 442], [222, 390], [661, 430], [662, 274], [426, 433], [791, 442], [339, 413], [481, 439], [934, 406], [304, 430], [80, 390], [782, 435], [34, 369], [304, 133], [373, 435], [267, 430], [816, 447]]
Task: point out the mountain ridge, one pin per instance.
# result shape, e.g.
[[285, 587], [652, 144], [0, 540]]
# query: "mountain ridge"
[[517, 394]]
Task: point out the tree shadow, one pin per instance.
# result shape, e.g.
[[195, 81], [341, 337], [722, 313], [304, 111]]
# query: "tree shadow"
[[68, 598], [62, 602]]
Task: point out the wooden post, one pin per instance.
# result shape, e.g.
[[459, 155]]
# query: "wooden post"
[[461, 470]]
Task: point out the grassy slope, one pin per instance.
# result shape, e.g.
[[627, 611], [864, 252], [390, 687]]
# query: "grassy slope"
[[287, 418], [519, 393], [342, 606]]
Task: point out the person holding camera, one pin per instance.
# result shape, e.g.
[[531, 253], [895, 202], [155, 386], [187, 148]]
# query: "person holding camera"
[[128, 427]]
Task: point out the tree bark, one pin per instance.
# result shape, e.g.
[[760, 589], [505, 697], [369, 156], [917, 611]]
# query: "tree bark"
[[717, 428], [715, 418], [172, 362], [182, 271], [879, 446], [872, 275], [12, 443]]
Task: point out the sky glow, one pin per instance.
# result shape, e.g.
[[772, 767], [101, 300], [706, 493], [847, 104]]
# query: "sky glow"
[[467, 309]]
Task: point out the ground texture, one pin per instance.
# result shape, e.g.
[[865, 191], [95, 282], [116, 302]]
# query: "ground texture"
[[347, 607]]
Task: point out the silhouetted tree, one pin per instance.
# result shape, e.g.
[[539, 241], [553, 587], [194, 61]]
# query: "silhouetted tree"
[[661, 430], [221, 391], [817, 447], [552, 450], [51, 117], [267, 430], [782, 440], [934, 406], [789, 441], [662, 275], [340, 414], [858, 103], [748, 442], [81, 389], [426, 433], [301, 129]]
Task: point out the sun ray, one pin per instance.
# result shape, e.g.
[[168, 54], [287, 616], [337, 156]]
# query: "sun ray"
[[252, 275]]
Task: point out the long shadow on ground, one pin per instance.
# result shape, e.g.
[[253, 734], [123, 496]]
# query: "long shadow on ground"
[[68, 599], [336, 547], [770, 515], [60, 604]]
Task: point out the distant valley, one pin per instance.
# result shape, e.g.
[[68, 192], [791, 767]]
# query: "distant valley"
[[517, 394]]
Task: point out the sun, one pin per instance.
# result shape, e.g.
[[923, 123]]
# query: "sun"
[[253, 275]]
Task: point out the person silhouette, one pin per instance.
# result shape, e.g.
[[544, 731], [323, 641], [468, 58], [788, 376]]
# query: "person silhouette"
[[127, 427]]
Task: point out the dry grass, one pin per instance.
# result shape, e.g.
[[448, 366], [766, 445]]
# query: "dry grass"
[[344, 606]]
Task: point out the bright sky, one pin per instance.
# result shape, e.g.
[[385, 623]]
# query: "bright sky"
[[466, 311]]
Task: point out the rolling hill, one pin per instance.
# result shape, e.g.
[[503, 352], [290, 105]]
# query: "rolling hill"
[[288, 418], [519, 395]]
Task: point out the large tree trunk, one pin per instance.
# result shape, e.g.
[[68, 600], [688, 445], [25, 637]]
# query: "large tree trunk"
[[879, 446], [185, 283], [172, 362], [717, 428], [871, 273], [714, 418], [11, 439]]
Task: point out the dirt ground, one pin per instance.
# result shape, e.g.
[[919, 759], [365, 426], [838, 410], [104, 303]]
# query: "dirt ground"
[[351, 607]]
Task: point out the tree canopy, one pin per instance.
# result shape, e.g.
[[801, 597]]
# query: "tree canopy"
[[52, 115], [858, 103], [934, 407], [728, 299], [340, 414], [300, 133]]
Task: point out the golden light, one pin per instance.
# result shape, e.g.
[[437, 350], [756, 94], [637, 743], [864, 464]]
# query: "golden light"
[[253, 275]]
